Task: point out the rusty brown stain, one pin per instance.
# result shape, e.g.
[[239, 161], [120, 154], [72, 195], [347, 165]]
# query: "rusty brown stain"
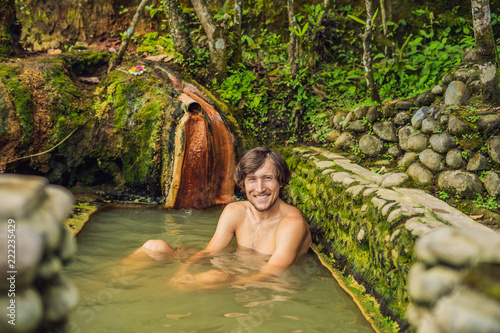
[[196, 167], [208, 160]]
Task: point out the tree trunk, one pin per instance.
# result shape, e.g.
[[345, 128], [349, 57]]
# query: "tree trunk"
[[367, 56], [384, 24], [293, 44], [238, 7], [178, 29], [486, 50], [215, 35], [126, 39], [10, 28]]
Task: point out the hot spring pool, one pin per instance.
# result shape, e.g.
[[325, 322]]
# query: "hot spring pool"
[[306, 299]]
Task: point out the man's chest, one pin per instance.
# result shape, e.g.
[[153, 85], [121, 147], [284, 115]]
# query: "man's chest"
[[259, 237]]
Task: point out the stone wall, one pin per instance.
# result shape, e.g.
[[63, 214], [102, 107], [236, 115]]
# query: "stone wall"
[[34, 246], [445, 136], [455, 285], [366, 222]]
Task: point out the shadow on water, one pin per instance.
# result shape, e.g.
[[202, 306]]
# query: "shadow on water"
[[306, 299]]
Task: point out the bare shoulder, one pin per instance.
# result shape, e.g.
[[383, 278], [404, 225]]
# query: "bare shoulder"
[[237, 207], [234, 211], [292, 214]]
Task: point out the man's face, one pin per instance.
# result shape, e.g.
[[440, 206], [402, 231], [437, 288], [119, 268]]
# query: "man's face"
[[262, 187]]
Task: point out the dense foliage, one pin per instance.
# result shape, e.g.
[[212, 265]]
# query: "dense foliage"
[[410, 59]]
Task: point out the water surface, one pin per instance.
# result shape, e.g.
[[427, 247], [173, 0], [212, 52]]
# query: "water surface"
[[306, 299]]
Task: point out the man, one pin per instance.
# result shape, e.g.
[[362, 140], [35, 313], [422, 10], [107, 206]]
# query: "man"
[[263, 223]]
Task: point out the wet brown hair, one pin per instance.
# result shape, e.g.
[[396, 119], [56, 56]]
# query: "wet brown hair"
[[254, 159]]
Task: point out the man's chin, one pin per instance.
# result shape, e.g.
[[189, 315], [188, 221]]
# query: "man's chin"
[[264, 207]]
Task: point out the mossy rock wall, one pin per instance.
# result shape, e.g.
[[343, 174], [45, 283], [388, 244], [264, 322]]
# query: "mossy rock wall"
[[366, 227], [119, 132]]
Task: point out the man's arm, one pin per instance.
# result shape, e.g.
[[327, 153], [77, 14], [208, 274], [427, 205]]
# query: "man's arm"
[[222, 237], [290, 236]]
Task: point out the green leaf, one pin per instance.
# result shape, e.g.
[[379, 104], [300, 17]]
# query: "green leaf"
[[223, 10], [374, 16], [384, 42], [273, 72], [357, 19]]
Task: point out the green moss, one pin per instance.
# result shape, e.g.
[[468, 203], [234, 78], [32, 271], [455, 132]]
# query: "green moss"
[[85, 63], [21, 97]]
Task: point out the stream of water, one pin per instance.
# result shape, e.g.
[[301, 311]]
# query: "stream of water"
[[306, 299]]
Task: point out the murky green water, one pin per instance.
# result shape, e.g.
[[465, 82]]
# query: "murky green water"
[[307, 299]]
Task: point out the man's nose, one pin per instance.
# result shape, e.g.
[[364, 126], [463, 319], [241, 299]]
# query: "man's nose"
[[260, 185]]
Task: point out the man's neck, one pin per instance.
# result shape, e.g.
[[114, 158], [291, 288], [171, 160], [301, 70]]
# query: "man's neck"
[[269, 214]]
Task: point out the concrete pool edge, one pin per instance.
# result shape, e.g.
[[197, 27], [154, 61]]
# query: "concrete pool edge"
[[89, 201], [365, 302]]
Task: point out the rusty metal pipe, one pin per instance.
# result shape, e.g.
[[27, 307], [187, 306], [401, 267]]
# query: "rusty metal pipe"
[[189, 104]]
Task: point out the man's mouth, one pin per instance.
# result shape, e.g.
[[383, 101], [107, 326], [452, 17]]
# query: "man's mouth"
[[262, 197]]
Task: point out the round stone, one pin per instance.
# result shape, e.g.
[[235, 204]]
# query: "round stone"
[[407, 159], [60, 297], [29, 251], [394, 151], [388, 110], [338, 120], [385, 130], [405, 105], [418, 142], [345, 141], [428, 285], [432, 160], [488, 123], [49, 268], [360, 112], [370, 145], [494, 149], [462, 75], [492, 183], [438, 90], [420, 174], [456, 126], [442, 143], [454, 159], [373, 114], [430, 125], [404, 134], [478, 162], [402, 118], [425, 99], [28, 314], [332, 136], [419, 116], [460, 183], [358, 126], [467, 311], [456, 93], [350, 117], [446, 79]]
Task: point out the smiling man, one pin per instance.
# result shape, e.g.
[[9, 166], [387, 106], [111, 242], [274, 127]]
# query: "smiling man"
[[264, 223]]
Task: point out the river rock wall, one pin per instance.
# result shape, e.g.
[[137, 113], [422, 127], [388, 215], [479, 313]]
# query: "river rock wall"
[[34, 247], [444, 139], [455, 283], [366, 222]]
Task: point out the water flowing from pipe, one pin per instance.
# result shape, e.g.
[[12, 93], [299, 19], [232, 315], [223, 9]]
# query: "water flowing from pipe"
[[208, 160]]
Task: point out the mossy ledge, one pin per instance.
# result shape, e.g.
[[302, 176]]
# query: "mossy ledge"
[[366, 231]]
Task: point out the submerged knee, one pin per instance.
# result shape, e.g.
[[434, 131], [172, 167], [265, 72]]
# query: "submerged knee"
[[158, 245]]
